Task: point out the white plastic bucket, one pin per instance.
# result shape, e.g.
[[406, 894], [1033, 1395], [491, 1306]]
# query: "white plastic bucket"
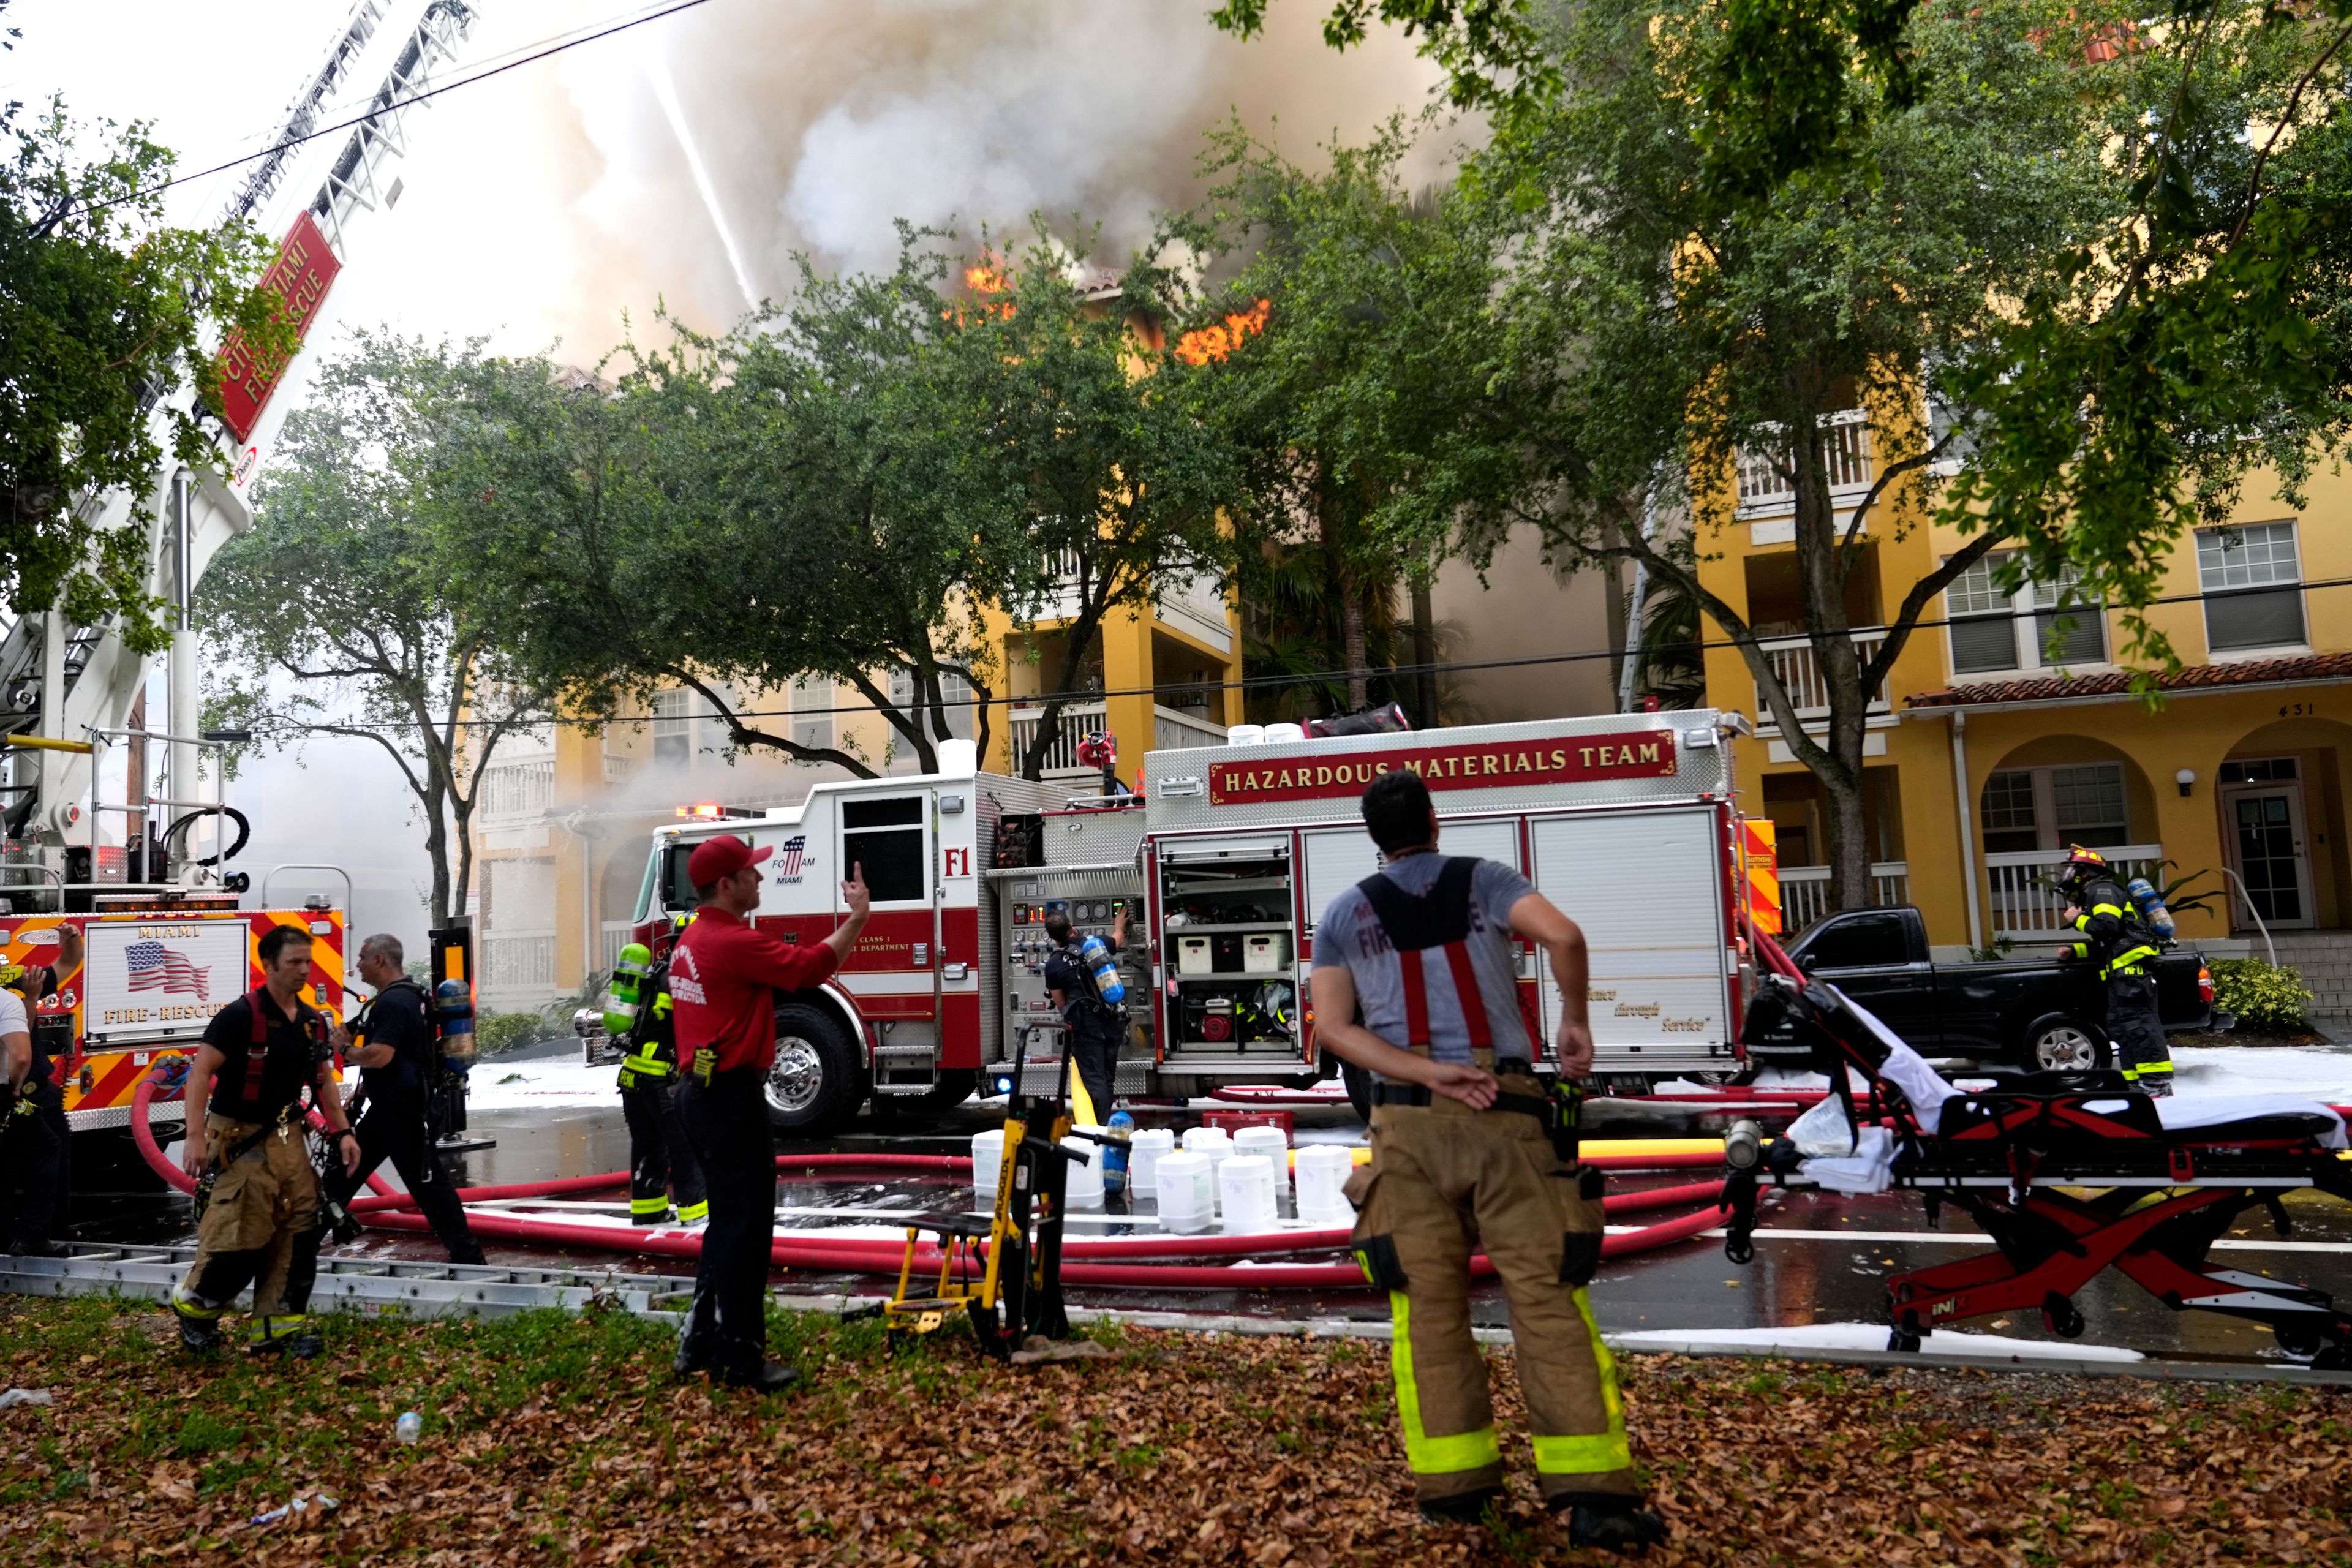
[[987, 1160], [1321, 1170], [1245, 1188], [1276, 734], [1270, 1143], [1188, 1197], [1082, 1183], [1144, 1152], [1213, 1143], [1245, 734]]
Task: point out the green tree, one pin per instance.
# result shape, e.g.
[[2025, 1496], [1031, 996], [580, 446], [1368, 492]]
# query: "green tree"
[[342, 612], [1349, 361], [105, 314]]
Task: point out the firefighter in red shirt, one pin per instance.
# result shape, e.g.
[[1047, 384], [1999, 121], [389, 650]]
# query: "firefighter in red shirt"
[[723, 978]]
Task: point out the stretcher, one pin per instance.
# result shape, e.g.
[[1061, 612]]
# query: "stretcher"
[[2067, 1173]]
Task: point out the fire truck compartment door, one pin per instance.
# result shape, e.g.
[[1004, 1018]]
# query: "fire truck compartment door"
[[1647, 888], [894, 970], [162, 981], [1338, 859]]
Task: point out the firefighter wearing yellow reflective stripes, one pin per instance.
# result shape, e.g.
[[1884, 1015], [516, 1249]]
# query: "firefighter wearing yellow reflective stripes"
[[2125, 951], [1422, 955], [661, 1162]]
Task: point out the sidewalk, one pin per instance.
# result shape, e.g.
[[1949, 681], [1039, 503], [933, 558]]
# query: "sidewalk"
[[563, 1440]]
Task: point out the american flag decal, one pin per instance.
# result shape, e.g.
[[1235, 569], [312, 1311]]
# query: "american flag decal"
[[155, 967], [788, 855]]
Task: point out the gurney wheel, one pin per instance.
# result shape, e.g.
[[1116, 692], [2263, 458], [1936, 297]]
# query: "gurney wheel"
[[2298, 1343], [1896, 1339], [2335, 1358], [1739, 1249], [2064, 1320]]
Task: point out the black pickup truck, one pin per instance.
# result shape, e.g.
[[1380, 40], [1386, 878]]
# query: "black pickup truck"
[[2036, 1015]]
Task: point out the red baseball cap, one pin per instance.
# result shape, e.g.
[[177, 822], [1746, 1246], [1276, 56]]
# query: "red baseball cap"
[[721, 857]]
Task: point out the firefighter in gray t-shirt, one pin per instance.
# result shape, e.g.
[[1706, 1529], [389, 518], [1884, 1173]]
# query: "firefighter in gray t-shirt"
[[1462, 1153]]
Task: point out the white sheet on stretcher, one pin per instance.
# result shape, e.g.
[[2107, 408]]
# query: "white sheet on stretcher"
[[1926, 1089]]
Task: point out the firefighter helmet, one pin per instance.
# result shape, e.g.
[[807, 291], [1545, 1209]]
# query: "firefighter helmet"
[[2081, 865]]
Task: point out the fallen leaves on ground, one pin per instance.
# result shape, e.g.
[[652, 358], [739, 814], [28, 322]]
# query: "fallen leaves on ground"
[[550, 1439]]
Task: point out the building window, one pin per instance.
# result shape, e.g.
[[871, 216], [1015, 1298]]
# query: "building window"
[[813, 711], [2262, 770], [955, 692], [2050, 808], [673, 726], [2252, 583], [2041, 626]]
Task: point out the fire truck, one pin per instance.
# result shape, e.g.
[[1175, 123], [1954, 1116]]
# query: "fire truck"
[[1224, 864]]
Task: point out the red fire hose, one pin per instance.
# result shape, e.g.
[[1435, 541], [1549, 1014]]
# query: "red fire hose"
[[394, 1211]]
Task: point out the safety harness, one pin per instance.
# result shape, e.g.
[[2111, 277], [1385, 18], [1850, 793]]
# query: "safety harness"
[[2133, 943], [1416, 923]]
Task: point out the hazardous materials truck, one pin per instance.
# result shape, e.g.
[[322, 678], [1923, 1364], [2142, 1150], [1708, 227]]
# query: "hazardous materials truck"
[[1224, 864]]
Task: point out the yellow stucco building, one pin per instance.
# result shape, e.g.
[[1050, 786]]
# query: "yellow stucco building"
[[1988, 750]]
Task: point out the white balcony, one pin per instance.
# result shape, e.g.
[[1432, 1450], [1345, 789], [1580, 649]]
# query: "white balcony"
[[1174, 730], [1792, 661], [518, 968], [613, 936], [1077, 721], [1764, 485], [2026, 901], [1193, 604], [1805, 891]]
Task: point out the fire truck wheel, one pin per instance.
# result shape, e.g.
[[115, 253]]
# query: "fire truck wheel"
[[1359, 1090], [814, 1086]]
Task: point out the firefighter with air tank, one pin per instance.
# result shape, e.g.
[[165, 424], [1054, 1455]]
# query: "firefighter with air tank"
[[1469, 1146], [662, 1166], [2124, 946]]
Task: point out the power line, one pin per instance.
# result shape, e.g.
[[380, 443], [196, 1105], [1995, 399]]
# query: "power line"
[[398, 104], [1315, 677]]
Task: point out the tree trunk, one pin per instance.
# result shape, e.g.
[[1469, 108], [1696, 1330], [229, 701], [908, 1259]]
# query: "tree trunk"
[[1351, 642], [1424, 656], [1821, 570], [437, 849]]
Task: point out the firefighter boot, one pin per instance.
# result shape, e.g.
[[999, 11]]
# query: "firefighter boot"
[[199, 1324], [1612, 1523], [288, 1335], [1461, 1507], [772, 1376]]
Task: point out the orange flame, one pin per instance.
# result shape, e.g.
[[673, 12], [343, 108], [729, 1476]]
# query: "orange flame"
[[1202, 344], [987, 275]]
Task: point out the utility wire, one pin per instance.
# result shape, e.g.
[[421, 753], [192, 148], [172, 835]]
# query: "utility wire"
[[398, 104], [1386, 671]]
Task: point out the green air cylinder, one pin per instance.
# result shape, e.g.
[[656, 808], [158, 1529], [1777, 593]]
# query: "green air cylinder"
[[629, 971]]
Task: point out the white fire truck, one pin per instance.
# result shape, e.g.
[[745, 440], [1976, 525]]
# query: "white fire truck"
[[1226, 862]]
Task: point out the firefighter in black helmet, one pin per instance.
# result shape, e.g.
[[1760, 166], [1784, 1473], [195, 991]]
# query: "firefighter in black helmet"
[[2126, 950]]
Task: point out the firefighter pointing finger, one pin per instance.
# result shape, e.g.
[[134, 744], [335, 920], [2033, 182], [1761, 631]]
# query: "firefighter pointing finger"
[[1467, 1144]]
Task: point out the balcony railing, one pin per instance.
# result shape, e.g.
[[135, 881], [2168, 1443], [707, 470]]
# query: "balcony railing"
[[1174, 730], [2026, 901], [520, 964], [1077, 721], [1792, 661], [1805, 891], [613, 936], [1845, 447]]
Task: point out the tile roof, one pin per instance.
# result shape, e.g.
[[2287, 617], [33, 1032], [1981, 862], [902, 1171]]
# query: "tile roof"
[[2195, 677]]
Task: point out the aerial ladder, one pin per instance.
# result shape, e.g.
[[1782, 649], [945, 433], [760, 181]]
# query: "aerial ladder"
[[114, 822]]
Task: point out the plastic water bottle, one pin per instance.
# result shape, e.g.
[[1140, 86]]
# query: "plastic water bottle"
[[1121, 1127], [409, 1428], [2151, 907], [1095, 954]]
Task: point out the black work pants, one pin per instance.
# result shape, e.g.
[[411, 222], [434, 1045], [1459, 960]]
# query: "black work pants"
[[661, 1162], [34, 1162], [1094, 1057], [391, 1127], [2137, 1028], [726, 1125]]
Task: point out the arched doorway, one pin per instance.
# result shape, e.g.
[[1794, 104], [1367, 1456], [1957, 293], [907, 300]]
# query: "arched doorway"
[[2280, 797]]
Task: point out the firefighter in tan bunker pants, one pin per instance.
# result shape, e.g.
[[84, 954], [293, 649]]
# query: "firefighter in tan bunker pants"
[[1463, 1155]]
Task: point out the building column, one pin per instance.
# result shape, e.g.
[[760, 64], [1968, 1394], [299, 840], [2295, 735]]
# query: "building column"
[[1128, 668]]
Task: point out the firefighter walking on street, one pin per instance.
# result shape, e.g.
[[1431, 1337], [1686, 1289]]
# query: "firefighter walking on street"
[[2121, 943], [393, 1042], [724, 975], [258, 1227], [1468, 1150], [662, 1166]]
